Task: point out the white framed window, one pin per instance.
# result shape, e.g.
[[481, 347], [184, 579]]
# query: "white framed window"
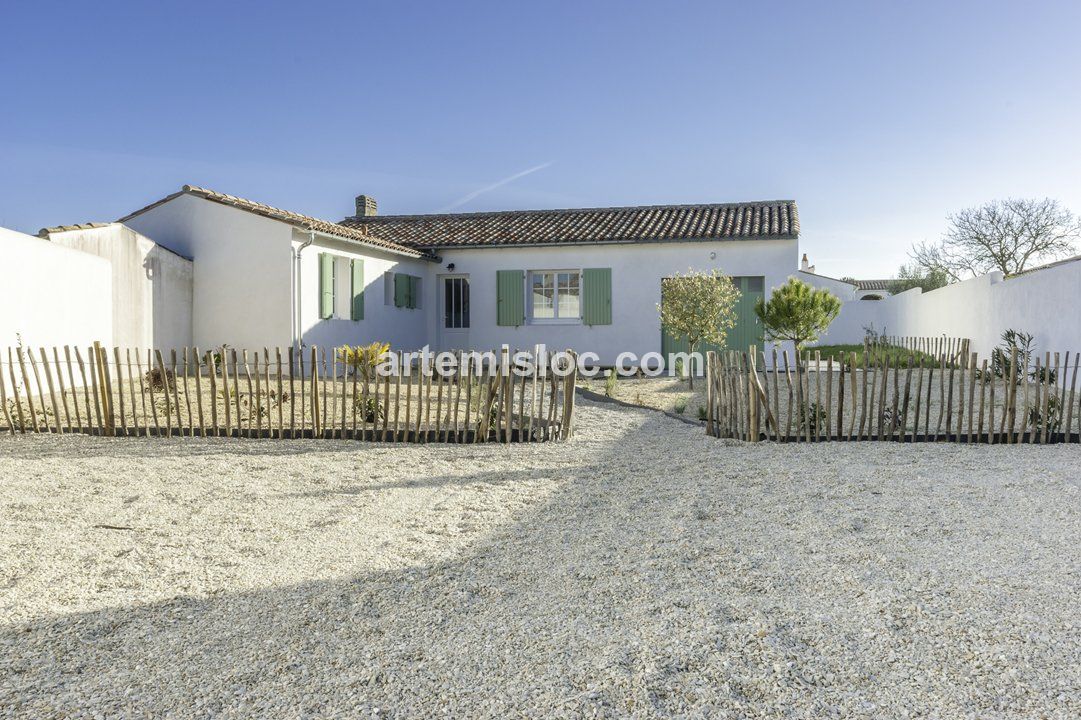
[[555, 296]]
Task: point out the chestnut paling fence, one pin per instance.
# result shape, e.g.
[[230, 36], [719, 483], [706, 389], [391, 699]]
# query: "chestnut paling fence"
[[954, 348], [894, 396], [271, 393]]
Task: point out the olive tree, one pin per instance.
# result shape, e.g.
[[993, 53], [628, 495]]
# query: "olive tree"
[[797, 312], [700, 307]]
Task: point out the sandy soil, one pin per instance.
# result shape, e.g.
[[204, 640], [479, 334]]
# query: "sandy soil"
[[641, 569]]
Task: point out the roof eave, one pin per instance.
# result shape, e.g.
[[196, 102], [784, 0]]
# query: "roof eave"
[[617, 241], [418, 254]]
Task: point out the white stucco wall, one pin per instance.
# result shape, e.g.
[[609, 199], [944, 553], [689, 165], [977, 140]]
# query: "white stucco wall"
[[844, 291], [242, 270], [243, 277], [151, 286], [637, 270], [981, 309], [53, 296], [403, 328]]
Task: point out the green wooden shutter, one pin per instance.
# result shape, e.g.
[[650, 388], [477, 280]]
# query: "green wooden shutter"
[[510, 297], [357, 308], [414, 291], [326, 285], [597, 296], [401, 290]]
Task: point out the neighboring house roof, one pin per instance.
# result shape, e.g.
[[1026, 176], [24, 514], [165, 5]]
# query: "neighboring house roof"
[[46, 232], [305, 222], [873, 284], [777, 219]]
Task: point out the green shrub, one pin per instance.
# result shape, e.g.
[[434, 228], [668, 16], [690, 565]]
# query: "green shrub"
[[368, 408], [813, 415], [1052, 422], [681, 406]]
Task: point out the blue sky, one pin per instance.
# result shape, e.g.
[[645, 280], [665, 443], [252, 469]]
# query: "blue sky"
[[879, 119]]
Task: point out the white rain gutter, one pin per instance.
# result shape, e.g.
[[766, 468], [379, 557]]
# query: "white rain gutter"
[[298, 332]]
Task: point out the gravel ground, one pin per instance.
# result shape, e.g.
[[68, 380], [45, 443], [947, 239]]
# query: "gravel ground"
[[662, 393], [642, 569]]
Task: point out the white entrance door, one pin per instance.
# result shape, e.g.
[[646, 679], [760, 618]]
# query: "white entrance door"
[[454, 312]]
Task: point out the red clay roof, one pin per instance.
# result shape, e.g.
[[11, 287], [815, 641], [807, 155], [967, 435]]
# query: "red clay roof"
[[778, 219], [303, 221]]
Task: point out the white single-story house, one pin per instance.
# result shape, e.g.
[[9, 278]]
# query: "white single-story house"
[[588, 279]]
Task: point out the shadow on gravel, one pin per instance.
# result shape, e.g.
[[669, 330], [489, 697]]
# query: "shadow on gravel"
[[631, 591]]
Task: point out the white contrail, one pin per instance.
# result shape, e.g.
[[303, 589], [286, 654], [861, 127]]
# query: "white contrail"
[[488, 188]]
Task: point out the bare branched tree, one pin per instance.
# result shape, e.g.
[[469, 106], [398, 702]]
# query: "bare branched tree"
[[1005, 235]]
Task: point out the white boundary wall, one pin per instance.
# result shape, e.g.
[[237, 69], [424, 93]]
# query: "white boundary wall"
[[151, 286], [53, 296], [1043, 303]]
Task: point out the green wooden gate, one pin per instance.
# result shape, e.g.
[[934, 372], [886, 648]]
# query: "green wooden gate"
[[747, 330]]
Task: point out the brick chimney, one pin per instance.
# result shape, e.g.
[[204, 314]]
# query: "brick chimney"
[[366, 206]]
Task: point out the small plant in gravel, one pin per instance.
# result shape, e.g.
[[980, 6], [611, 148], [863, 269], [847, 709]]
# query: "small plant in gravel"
[[679, 369], [812, 415], [363, 359], [1024, 345], [681, 406], [1052, 423], [155, 379], [702, 413], [610, 383], [371, 410]]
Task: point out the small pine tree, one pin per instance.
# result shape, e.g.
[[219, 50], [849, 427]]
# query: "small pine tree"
[[797, 312]]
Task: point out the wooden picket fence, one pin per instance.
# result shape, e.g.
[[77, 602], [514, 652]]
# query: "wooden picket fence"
[[291, 394], [913, 398], [954, 348]]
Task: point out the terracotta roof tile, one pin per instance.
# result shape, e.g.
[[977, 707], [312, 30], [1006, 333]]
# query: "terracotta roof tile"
[[45, 232], [777, 219], [306, 222]]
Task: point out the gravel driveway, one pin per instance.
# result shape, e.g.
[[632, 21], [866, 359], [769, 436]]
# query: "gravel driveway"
[[642, 569]]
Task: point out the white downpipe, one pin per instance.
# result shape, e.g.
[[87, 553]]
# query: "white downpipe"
[[298, 332]]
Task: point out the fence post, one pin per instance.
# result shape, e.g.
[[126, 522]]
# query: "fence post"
[[106, 389], [4, 401]]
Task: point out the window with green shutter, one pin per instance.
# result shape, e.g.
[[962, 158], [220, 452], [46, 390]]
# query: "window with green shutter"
[[597, 296], [357, 306], [510, 297], [406, 291], [326, 286]]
